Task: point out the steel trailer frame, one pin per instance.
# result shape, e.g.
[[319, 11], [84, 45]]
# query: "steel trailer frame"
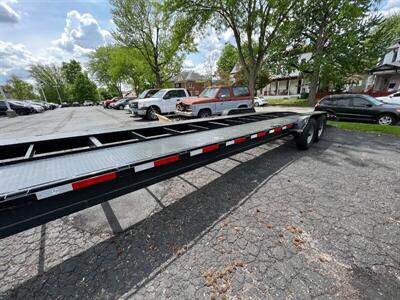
[[61, 175]]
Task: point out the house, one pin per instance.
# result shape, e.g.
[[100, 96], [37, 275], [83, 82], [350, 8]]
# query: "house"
[[285, 83], [386, 75], [190, 80], [291, 84]]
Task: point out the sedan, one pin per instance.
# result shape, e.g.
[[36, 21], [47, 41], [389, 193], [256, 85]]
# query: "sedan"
[[259, 101], [359, 107]]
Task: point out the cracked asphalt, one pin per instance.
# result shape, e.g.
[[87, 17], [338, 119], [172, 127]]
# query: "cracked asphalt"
[[270, 223]]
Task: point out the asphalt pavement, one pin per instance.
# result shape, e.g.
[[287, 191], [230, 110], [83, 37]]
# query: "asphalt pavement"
[[269, 223]]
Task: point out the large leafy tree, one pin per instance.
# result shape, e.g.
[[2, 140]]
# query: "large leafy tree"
[[51, 81], [19, 89], [70, 70], [100, 66], [228, 59], [160, 38], [338, 34], [113, 66], [259, 26], [83, 88]]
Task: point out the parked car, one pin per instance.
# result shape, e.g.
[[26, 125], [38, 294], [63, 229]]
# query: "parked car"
[[76, 104], [214, 100], [162, 102], [359, 107], [65, 104], [20, 109], [37, 107], [120, 104], [393, 98], [88, 103], [107, 103], [259, 101]]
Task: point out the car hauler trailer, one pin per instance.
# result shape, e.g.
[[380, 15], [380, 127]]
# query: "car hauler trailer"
[[45, 179]]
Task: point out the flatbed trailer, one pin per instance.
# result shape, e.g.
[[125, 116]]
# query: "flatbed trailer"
[[47, 178]]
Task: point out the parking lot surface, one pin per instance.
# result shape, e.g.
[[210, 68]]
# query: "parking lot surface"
[[272, 222]]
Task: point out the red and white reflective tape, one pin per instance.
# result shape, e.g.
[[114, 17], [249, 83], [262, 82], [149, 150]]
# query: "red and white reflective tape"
[[289, 126], [259, 134], [75, 185], [204, 150], [277, 129], [157, 163], [236, 141]]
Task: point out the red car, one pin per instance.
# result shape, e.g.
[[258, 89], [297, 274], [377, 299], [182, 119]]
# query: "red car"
[[106, 103]]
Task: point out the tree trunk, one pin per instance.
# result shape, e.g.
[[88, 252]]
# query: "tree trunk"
[[313, 87], [252, 83], [158, 80]]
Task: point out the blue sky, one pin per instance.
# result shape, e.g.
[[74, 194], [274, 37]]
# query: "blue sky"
[[51, 31]]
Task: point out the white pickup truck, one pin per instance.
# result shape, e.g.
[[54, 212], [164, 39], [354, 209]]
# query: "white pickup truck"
[[162, 102]]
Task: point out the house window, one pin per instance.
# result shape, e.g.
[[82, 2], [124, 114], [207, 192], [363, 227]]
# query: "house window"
[[394, 58]]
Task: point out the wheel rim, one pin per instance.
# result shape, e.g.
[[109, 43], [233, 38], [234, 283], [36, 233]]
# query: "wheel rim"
[[152, 114], [310, 135], [256, 104], [385, 120]]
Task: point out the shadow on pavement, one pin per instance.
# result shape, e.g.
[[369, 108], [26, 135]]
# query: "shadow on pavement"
[[132, 258]]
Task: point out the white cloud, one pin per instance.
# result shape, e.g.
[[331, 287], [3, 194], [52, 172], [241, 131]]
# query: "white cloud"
[[82, 33], [391, 4], [15, 59], [7, 14], [188, 63], [227, 34]]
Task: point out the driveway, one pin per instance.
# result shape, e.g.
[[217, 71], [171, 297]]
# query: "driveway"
[[272, 222]]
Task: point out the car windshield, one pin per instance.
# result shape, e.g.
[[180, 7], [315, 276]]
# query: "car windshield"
[[159, 94], [209, 93], [143, 94], [373, 100]]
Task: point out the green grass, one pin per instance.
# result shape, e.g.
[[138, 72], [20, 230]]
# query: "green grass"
[[289, 102], [375, 128]]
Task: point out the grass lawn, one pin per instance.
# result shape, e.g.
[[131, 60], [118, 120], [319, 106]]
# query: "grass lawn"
[[288, 102], [394, 130]]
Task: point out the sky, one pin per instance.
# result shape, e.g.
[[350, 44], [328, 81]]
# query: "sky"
[[52, 31]]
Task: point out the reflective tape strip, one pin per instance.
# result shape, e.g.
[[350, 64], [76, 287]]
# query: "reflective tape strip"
[[204, 150], [289, 126], [277, 129], [253, 136], [145, 166], [284, 127], [236, 141], [75, 185], [93, 180], [54, 191], [259, 134], [271, 131], [156, 163]]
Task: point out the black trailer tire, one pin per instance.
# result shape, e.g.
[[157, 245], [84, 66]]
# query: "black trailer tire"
[[321, 125], [151, 113], [306, 138]]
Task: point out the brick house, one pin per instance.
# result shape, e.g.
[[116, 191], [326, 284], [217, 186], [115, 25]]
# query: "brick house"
[[190, 80]]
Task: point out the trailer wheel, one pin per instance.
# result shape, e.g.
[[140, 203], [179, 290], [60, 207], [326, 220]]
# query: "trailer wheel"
[[306, 138], [321, 124]]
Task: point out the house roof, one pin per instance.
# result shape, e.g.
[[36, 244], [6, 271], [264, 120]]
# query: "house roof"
[[394, 66], [188, 76]]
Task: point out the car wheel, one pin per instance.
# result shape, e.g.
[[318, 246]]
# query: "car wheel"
[[306, 138], [256, 104], [204, 113], [321, 124], [121, 107], [151, 113], [385, 120]]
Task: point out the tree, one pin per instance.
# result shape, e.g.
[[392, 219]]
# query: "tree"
[[19, 89], [83, 88], [70, 70], [388, 31], [50, 79], [161, 39], [228, 59], [338, 33], [100, 67], [258, 26]]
